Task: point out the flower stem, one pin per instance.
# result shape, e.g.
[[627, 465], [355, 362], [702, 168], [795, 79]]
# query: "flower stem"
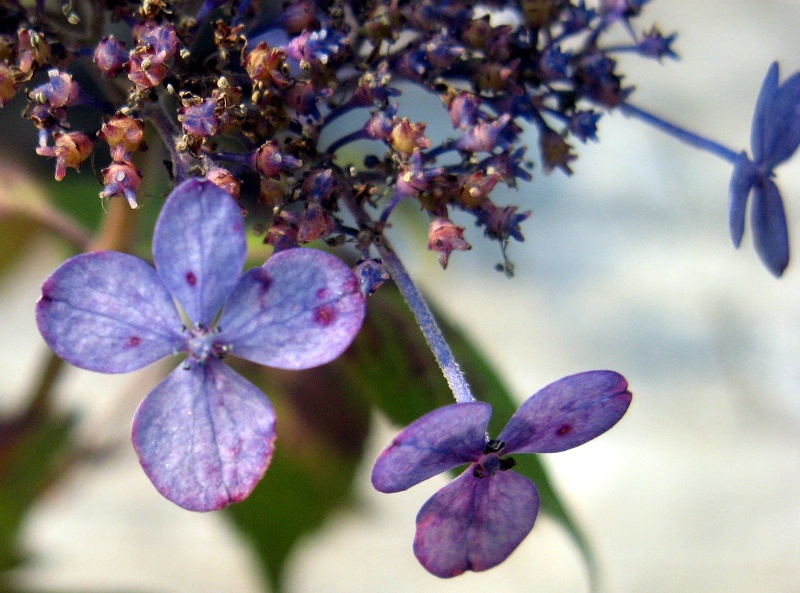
[[427, 323], [681, 134]]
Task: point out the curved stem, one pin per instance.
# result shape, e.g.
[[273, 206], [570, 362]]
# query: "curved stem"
[[427, 323], [682, 134]]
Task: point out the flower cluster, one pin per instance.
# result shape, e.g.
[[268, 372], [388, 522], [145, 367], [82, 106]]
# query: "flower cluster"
[[273, 83]]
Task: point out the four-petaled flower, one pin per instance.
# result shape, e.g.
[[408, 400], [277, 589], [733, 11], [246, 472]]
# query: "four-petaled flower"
[[476, 521], [774, 138], [204, 435]]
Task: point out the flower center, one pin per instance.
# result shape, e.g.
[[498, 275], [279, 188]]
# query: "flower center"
[[202, 343], [490, 462]]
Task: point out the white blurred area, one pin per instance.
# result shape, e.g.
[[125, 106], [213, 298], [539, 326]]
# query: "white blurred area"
[[627, 265]]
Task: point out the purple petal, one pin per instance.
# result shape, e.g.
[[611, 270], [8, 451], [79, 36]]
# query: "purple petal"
[[766, 97], [742, 180], [109, 312], [567, 413], [199, 247], [204, 436], [299, 310], [768, 221], [438, 441], [475, 524]]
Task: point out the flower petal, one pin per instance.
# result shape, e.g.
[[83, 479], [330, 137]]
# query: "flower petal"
[[475, 524], [199, 247], [109, 312], [567, 413], [768, 221], [775, 133], [301, 309], [742, 180], [440, 440], [204, 436]]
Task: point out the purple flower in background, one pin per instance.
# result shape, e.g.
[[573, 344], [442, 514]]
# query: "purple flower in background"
[[774, 138], [476, 521], [204, 435]]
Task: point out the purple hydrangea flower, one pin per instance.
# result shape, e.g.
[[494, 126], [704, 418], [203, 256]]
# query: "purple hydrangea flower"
[[774, 138], [204, 435], [476, 521]]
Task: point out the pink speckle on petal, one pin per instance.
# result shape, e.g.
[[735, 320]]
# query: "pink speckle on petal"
[[191, 278], [564, 430], [134, 341], [324, 315]]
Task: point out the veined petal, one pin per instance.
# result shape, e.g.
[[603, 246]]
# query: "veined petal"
[[475, 524], [204, 436], [768, 221], [109, 312], [742, 180], [567, 413], [199, 247], [301, 309], [440, 440]]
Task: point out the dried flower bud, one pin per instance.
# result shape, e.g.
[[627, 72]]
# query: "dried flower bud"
[[314, 224], [270, 162], [268, 65], [70, 150], [122, 179], [555, 152], [405, 136], [160, 39], [444, 237], [475, 189], [225, 179], [282, 233], [124, 134], [8, 83], [147, 69], [110, 56], [485, 136], [33, 52]]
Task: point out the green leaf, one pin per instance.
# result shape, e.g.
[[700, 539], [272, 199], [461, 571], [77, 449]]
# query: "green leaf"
[[322, 427], [391, 364], [30, 452]]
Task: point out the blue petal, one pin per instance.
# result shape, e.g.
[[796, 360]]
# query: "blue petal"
[[301, 309], [204, 436], [567, 413], [108, 312], [199, 247], [475, 524], [761, 115], [775, 133], [768, 221], [742, 180], [438, 441]]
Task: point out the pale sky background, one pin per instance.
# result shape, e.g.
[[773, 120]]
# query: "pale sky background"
[[627, 265]]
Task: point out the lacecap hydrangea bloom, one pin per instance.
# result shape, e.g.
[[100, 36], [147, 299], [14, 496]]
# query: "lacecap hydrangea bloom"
[[479, 519], [204, 435]]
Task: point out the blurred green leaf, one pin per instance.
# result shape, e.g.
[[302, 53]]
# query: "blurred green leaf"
[[322, 426], [31, 447], [391, 365]]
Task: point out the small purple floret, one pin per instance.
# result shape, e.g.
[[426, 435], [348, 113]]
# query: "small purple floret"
[[479, 519], [204, 435]]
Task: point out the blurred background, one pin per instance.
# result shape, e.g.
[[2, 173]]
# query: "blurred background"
[[627, 265]]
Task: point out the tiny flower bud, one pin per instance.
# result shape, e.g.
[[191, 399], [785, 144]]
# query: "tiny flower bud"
[[268, 65], [60, 91], [405, 136], [314, 224], [70, 150], [475, 188], [371, 275], [123, 179], [110, 56], [282, 234], [124, 134], [464, 109], [199, 118], [555, 152], [485, 136], [444, 237], [8, 84], [225, 179], [270, 162]]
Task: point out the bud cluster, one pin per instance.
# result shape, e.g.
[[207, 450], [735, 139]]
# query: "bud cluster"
[[238, 93]]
